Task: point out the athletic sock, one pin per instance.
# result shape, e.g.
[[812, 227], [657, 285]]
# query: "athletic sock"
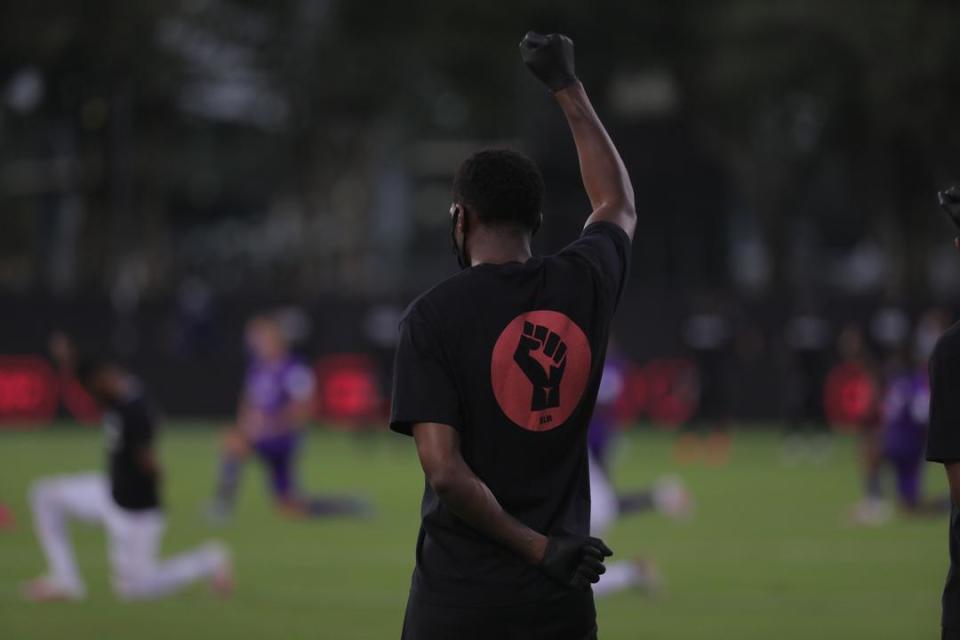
[[635, 502], [874, 486], [228, 482]]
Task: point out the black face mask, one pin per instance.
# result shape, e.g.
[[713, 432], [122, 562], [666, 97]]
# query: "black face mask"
[[463, 257]]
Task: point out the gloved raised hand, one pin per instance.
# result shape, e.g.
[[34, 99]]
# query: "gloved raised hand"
[[550, 58], [574, 561]]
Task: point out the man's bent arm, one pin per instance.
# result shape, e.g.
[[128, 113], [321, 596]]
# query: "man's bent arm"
[[605, 177], [953, 479], [466, 495]]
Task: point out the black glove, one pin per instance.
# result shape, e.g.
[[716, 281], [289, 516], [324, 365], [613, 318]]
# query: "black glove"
[[574, 561], [950, 202], [550, 58]]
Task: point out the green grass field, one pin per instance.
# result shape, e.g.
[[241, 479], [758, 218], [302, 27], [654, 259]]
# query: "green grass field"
[[767, 555]]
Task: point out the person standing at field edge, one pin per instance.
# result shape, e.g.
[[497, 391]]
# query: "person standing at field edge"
[[496, 375], [943, 439]]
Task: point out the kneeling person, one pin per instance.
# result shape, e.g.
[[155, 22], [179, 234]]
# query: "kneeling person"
[[125, 501]]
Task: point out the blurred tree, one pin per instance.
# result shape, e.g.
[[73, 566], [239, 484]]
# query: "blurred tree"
[[818, 121]]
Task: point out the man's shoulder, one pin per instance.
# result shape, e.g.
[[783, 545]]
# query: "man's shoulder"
[[948, 346], [601, 231], [440, 295]]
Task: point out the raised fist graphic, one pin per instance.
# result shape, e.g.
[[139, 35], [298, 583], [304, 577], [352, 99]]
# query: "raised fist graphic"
[[545, 372]]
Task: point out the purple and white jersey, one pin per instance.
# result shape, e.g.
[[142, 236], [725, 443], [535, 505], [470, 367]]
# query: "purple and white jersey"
[[270, 387], [906, 414], [603, 421]]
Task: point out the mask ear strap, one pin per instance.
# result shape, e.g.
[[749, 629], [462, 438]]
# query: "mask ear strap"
[[464, 252], [459, 215]]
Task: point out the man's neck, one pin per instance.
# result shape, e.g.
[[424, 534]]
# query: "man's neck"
[[498, 247]]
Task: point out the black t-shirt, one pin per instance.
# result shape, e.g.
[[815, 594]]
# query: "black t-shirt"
[[943, 445], [510, 355], [129, 427]]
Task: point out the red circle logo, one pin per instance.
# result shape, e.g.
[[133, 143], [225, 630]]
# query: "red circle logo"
[[540, 367]]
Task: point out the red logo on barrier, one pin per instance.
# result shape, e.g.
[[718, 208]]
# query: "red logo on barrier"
[[632, 401], [28, 390], [539, 369], [347, 388], [672, 390], [850, 397]]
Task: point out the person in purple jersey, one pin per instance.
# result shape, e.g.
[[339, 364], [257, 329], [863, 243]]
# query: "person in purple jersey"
[[668, 495], [899, 445], [906, 410], [274, 408]]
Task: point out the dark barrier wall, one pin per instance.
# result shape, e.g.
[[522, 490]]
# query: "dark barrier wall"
[[193, 366]]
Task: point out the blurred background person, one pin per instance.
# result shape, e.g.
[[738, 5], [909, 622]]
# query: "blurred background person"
[[708, 334], [125, 501], [668, 495], [808, 340], [274, 410], [898, 444]]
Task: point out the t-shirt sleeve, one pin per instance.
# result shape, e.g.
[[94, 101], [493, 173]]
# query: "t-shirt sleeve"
[[943, 438], [605, 248], [424, 389]]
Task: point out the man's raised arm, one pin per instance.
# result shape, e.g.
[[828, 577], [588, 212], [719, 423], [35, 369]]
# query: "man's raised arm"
[[605, 178]]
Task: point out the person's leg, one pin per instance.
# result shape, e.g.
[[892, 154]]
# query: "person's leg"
[[909, 471], [604, 509], [54, 502], [873, 459], [279, 455], [668, 495], [873, 509], [234, 451], [603, 500], [138, 574]]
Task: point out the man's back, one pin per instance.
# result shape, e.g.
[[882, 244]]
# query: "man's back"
[[511, 356], [496, 376]]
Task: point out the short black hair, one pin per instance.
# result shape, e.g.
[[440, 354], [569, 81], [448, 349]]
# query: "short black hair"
[[502, 187]]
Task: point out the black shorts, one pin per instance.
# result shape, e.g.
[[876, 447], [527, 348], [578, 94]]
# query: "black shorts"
[[571, 617]]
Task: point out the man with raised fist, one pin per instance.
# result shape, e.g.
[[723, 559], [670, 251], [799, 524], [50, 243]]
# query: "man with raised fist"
[[943, 436], [496, 376]]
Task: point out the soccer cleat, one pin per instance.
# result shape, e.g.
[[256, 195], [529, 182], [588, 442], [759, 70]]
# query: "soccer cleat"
[[646, 577], [223, 582], [871, 512], [7, 519], [45, 589], [638, 575], [671, 498]]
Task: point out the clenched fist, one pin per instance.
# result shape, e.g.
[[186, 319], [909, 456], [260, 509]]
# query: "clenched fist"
[[546, 372], [550, 58]]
